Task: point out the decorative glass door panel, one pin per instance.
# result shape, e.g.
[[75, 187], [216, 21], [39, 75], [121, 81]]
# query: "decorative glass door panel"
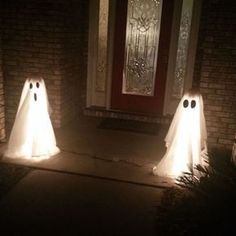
[[141, 46], [141, 50]]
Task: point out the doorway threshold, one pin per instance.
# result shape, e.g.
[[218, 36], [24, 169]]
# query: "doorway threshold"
[[126, 115]]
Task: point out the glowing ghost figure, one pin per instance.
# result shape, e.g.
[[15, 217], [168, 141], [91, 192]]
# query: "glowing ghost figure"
[[186, 138], [32, 135]]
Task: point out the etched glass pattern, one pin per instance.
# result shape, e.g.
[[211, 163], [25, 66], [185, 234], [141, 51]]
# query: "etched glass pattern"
[[182, 51], [102, 46], [141, 46]]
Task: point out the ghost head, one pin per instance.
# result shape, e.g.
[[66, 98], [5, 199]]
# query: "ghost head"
[[32, 135], [186, 138]]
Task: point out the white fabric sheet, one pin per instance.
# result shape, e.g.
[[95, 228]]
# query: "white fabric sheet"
[[186, 138], [32, 135]]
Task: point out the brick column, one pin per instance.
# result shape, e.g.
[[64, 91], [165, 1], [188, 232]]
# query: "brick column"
[[2, 102], [215, 70], [45, 38]]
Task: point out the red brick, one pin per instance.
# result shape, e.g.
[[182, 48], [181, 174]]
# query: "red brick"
[[46, 43], [215, 69]]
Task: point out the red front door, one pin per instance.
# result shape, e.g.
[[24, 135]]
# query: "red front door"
[[133, 102]]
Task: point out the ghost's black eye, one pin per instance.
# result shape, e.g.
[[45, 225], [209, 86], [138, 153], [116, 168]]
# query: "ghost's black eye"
[[37, 84], [185, 103], [31, 85], [193, 103]]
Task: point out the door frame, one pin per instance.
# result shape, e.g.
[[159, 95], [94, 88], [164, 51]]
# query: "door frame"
[[102, 99], [154, 103]]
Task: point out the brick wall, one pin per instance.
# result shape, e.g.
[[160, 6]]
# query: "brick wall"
[[215, 70], [75, 54], [2, 103], [83, 59], [43, 38]]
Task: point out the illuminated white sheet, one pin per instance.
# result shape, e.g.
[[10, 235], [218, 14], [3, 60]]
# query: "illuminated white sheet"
[[186, 138], [32, 135]]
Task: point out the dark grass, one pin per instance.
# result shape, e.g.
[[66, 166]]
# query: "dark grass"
[[10, 175], [201, 206], [130, 125]]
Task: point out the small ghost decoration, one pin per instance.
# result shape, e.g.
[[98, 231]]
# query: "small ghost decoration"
[[186, 138], [32, 135]]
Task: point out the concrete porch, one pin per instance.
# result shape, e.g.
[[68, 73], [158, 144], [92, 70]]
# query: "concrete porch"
[[100, 184], [103, 153]]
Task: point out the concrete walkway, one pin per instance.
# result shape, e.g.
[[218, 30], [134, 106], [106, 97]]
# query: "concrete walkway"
[[46, 201], [115, 155], [100, 184]]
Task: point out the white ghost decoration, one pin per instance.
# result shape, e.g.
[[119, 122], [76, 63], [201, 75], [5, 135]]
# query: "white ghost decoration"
[[186, 138], [32, 135]]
